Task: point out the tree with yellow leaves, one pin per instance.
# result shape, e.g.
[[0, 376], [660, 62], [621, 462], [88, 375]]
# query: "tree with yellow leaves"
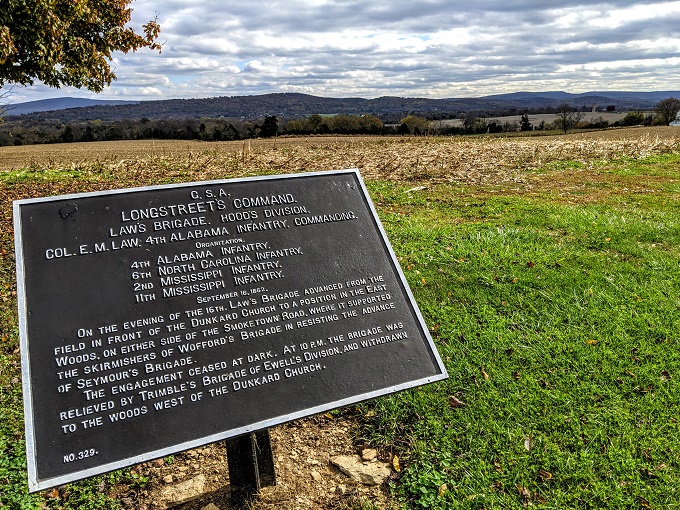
[[67, 42]]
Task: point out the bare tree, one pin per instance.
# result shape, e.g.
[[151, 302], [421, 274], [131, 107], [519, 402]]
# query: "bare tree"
[[4, 101], [667, 110], [468, 119], [567, 117]]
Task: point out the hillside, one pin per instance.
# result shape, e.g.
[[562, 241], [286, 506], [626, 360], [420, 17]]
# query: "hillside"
[[59, 103], [290, 105]]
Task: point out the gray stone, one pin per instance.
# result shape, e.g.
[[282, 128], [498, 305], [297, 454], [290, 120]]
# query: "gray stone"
[[173, 495], [369, 454], [373, 473]]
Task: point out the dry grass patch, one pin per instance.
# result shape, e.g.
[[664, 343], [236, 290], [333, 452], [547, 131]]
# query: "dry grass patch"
[[471, 160]]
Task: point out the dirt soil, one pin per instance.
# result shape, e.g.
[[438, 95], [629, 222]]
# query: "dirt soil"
[[305, 477]]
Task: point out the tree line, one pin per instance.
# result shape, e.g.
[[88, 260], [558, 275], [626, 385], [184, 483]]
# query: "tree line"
[[29, 130], [20, 131]]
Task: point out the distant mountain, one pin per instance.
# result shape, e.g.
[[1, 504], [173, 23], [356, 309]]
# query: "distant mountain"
[[59, 103], [291, 105], [623, 100]]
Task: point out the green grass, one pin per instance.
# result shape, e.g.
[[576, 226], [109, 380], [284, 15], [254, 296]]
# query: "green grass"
[[36, 174], [664, 165], [557, 315], [560, 327]]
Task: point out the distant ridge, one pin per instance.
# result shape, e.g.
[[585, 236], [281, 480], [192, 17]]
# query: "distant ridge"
[[60, 103], [294, 105], [652, 97]]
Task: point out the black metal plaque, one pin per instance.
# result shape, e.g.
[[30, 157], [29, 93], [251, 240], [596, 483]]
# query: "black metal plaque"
[[158, 319]]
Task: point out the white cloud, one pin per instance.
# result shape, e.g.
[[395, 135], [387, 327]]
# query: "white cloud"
[[254, 66], [615, 18], [428, 48], [190, 64], [635, 64], [150, 91]]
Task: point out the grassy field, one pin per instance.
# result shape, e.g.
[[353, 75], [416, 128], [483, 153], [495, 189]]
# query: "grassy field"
[[560, 325], [548, 271]]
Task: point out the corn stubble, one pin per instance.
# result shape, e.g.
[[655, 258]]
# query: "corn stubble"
[[473, 160]]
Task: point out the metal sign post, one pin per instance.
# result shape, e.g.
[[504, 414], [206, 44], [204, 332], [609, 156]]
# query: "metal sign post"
[[251, 464]]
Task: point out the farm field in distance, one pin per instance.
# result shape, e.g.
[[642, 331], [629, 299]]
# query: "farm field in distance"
[[115, 151], [390, 157], [548, 272], [537, 118]]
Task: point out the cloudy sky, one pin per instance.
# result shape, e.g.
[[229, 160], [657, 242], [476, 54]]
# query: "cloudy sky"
[[410, 48]]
